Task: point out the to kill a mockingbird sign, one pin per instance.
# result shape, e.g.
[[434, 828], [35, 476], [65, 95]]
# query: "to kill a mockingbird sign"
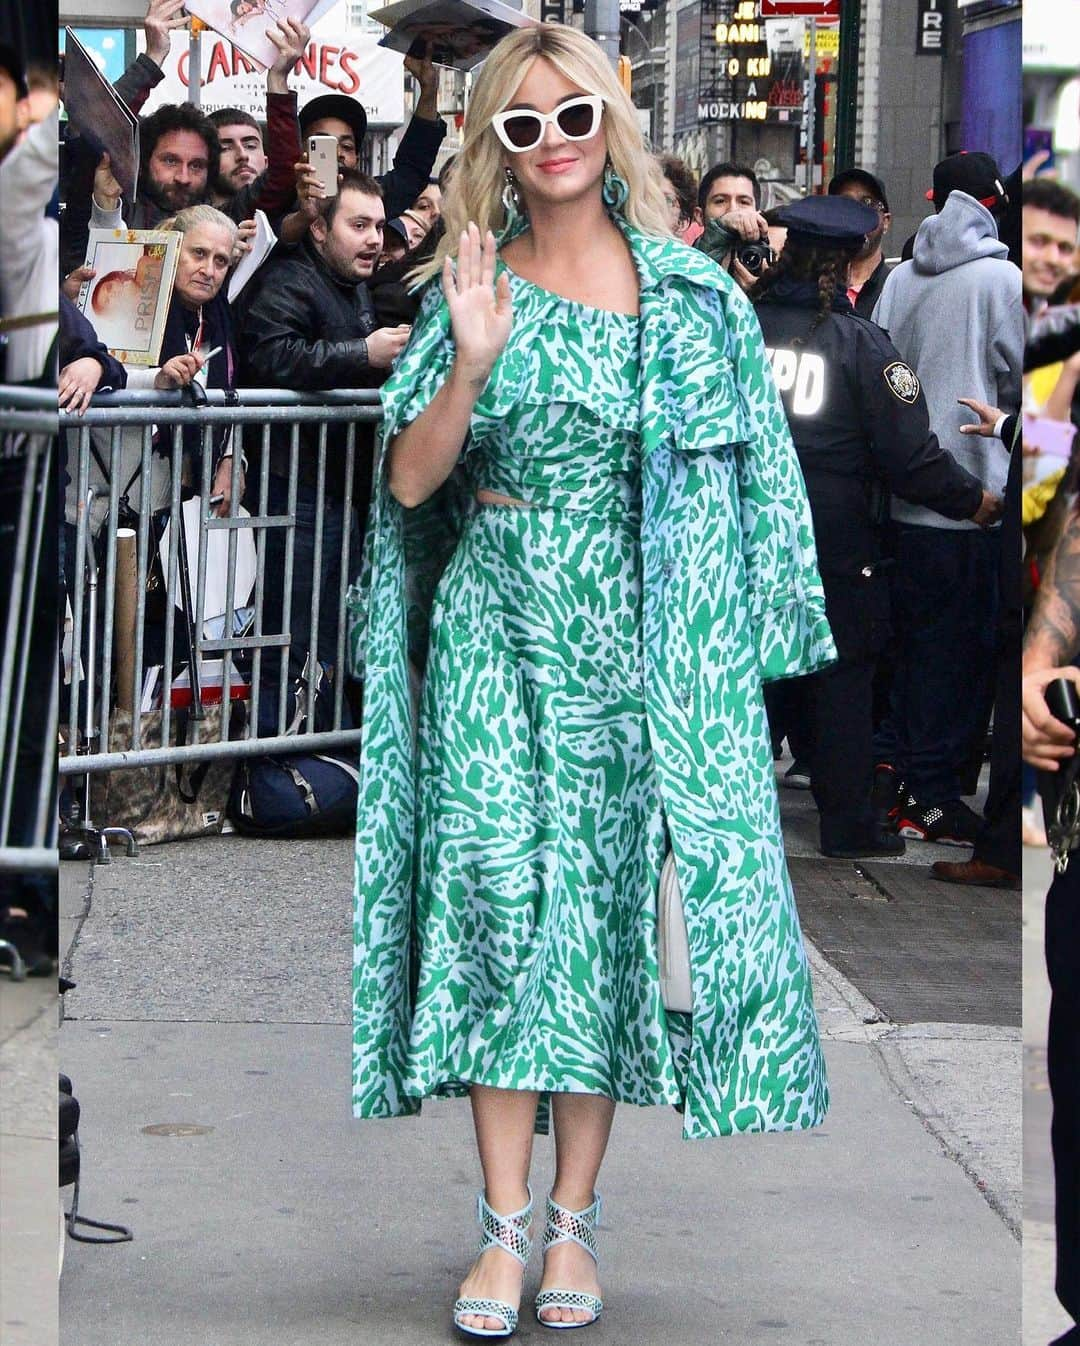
[[734, 71], [748, 70], [930, 36]]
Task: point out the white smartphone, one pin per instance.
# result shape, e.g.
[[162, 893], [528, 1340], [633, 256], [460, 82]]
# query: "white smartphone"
[[322, 154]]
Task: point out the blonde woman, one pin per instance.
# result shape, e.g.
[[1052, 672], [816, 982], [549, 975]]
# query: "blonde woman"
[[588, 545]]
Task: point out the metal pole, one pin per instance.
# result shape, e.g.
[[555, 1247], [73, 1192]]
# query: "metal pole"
[[670, 42], [194, 66], [602, 24], [847, 85], [655, 131], [810, 97]]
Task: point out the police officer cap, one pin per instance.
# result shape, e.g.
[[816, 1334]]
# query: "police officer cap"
[[828, 220]]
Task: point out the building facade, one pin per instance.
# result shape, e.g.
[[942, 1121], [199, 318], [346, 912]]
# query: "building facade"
[[716, 79]]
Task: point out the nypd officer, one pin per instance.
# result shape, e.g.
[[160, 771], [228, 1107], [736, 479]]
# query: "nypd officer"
[[859, 421]]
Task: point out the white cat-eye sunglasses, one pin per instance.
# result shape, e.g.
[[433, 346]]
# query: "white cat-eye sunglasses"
[[576, 119]]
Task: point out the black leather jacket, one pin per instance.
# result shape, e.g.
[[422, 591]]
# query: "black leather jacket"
[[303, 328]]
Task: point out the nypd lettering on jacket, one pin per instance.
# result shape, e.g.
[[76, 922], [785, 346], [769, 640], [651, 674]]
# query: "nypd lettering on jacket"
[[800, 377], [802, 374]]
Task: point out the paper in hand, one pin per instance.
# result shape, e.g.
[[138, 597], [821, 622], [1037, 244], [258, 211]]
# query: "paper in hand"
[[261, 246]]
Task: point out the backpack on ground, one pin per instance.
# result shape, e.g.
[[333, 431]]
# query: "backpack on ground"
[[301, 795]]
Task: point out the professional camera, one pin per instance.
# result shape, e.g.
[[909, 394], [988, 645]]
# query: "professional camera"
[[757, 257]]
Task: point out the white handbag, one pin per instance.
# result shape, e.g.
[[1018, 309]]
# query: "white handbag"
[[674, 947]]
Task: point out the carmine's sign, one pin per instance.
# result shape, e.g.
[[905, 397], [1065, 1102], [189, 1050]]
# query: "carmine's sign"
[[352, 64]]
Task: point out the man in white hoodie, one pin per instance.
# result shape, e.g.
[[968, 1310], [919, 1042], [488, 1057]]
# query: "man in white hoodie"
[[955, 313]]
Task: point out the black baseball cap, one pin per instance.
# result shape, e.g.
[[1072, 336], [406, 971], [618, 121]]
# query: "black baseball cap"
[[338, 105], [975, 173], [11, 64], [860, 176], [397, 224], [828, 219]]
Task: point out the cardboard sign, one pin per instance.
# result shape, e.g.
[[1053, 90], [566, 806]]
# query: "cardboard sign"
[[128, 300], [102, 118]]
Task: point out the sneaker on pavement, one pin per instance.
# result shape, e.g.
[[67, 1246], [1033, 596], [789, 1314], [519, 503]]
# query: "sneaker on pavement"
[[949, 824], [797, 776], [886, 845]]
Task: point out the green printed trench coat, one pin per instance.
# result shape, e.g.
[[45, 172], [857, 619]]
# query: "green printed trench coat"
[[731, 597]]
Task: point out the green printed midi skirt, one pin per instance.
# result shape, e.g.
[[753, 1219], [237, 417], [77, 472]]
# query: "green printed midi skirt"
[[539, 828]]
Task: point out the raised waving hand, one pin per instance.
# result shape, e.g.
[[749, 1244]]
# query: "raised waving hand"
[[481, 311]]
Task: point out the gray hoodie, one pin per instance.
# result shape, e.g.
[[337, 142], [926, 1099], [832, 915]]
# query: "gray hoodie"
[[955, 313]]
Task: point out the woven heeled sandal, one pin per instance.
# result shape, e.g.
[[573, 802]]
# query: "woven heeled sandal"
[[511, 1233], [567, 1226]]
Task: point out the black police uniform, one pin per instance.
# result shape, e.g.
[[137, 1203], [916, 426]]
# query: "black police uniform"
[[861, 428]]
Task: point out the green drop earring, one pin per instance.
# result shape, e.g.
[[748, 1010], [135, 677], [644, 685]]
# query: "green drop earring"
[[615, 191]]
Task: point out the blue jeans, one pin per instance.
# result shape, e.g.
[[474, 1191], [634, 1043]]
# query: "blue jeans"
[[338, 515], [944, 595]]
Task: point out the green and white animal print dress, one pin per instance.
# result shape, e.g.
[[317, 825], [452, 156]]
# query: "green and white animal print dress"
[[554, 694], [540, 832]]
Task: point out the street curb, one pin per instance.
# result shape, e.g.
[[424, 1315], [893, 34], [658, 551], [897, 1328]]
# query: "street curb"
[[861, 1023], [67, 962], [859, 1019], [956, 1148]]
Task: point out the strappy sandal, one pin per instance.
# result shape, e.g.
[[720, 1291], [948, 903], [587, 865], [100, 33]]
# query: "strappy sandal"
[[567, 1226], [511, 1233]]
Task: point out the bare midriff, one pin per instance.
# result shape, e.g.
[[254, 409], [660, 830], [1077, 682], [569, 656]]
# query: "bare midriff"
[[494, 498]]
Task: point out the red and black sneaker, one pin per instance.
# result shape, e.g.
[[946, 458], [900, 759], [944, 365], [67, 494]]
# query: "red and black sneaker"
[[949, 824]]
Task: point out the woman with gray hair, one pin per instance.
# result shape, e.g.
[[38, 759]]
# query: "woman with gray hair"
[[197, 346]]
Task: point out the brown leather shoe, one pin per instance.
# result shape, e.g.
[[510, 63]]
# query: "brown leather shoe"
[[974, 871]]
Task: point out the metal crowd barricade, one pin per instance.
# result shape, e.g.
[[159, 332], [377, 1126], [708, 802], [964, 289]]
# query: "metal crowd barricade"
[[170, 439], [29, 671]]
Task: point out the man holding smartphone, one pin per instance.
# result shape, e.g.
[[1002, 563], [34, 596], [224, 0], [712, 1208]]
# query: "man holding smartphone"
[[343, 117], [309, 325]]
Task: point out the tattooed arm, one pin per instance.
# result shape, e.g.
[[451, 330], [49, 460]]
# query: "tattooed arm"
[[1053, 638]]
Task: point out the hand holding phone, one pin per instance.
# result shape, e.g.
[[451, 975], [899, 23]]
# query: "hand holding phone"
[[322, 156]]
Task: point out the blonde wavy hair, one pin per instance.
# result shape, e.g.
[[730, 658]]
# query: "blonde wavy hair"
[[474, 191]]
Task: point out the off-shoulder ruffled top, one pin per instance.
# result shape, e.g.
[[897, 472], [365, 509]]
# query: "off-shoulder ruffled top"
[[558, 424]]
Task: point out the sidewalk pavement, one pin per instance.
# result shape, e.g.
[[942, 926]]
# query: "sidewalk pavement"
[[209, 1042], [28, 1220], [1044, 1318]]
